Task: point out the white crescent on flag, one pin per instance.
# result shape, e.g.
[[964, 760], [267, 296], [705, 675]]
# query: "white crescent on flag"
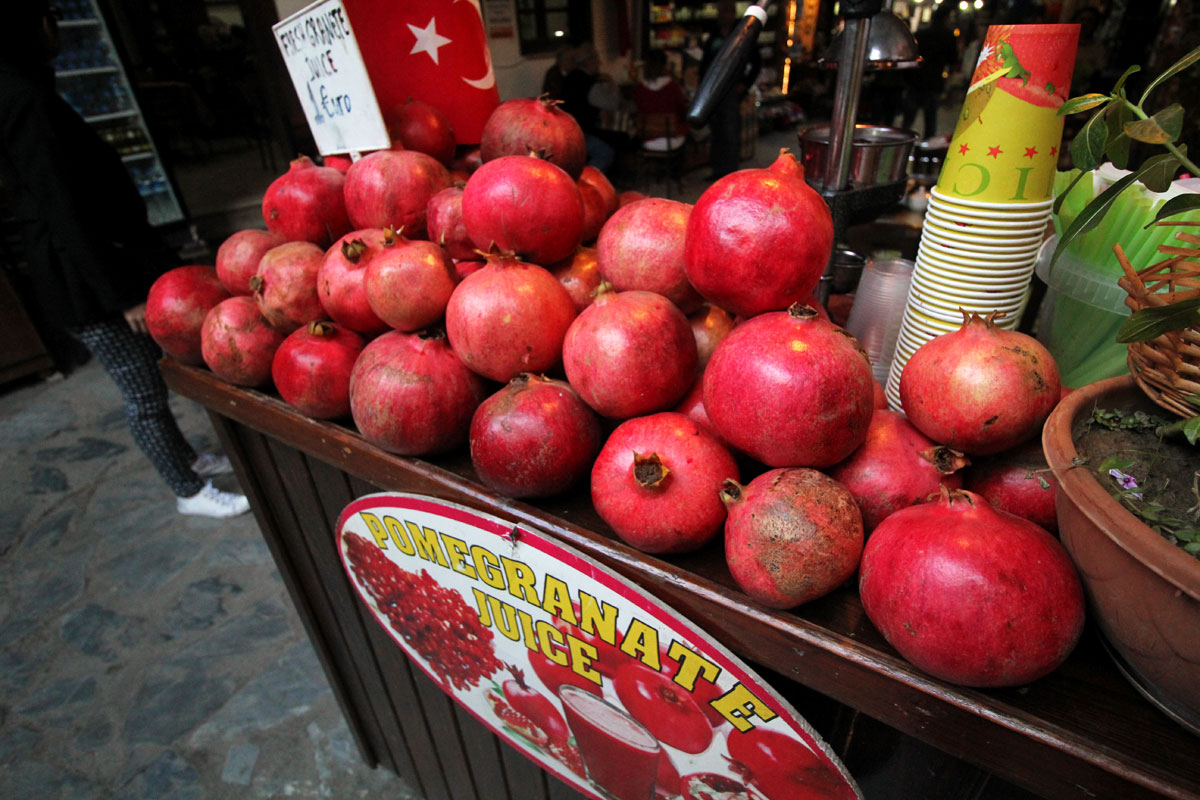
[[488, 80]]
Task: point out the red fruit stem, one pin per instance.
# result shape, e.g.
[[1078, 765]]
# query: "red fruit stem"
[[393, 235], [256, 283], [319, 328], [731, 491], [649, 471], [518, 675], [799, 310]]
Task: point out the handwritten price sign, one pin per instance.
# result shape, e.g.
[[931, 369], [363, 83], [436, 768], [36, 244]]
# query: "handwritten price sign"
[[331, 81]]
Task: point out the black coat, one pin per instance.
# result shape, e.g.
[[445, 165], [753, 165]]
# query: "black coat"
[[92, 254]]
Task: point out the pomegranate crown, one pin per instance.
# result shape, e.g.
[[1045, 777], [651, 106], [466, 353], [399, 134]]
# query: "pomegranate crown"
[[988, 320]]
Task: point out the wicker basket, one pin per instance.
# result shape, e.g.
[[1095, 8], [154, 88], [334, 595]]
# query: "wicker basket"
[[1167, 368]]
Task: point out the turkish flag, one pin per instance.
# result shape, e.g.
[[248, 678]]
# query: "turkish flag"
[[430, 50]]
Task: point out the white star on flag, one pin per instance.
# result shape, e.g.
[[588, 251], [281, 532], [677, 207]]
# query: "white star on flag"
[[428, 39]]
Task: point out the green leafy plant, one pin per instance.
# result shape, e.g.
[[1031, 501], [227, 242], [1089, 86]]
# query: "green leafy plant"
[[1115, 123]]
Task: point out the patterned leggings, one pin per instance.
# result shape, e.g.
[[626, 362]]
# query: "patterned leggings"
[[130, 359]]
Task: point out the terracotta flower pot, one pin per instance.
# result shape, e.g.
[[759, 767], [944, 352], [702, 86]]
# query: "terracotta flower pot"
[[1143, 591]]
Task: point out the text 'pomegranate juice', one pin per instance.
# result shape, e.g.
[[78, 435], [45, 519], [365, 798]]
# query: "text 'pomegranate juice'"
[[620, 755]]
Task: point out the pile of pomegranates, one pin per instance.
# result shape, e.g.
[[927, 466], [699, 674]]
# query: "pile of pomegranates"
[[504, 300]]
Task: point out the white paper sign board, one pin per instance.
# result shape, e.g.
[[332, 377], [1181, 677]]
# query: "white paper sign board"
[[331, 81]]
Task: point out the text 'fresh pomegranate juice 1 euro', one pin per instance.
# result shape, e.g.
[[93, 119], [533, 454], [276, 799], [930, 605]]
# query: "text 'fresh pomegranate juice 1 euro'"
[[620, 755]]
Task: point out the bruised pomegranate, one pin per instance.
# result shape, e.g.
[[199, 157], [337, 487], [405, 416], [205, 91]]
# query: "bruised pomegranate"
[[758, 239], [526, 205], [444, 223], [509, 317], [533, 438], [790, 389], [630, 353], [238, 343], [311, 369], [392, 188], [980, 389], [580, 276], [1018, 481], [340, 281], [409, 283], [176, 305], [792, 535], [970, 594], [419, 126], [895, 467], [238, 257], [710, 325], [656, 483], [523, 125], [410, 395], [285, 285], [641, 247], [783, 768], [307, 204]]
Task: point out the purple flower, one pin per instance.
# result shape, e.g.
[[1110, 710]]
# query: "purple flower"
[[1126, 481]]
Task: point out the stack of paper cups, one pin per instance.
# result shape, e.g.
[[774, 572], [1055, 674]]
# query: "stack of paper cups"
[[989, 211]]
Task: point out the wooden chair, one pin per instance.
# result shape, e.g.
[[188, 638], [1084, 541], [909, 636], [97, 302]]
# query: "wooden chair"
[[660, 150]]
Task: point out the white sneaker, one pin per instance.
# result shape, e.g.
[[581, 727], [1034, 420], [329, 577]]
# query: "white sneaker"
[[210, 465], [212, 502]]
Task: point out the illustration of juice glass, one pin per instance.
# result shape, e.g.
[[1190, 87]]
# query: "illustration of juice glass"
[[620, 755]]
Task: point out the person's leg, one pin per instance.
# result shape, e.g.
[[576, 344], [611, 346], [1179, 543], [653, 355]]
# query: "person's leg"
[[130, 359]]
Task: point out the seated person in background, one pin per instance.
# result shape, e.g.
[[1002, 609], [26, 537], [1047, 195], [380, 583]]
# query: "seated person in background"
[[578, 86], [658, 93], [556, 75]]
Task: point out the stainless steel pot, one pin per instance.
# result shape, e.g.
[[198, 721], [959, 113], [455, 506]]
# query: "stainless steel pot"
[[878, 155]]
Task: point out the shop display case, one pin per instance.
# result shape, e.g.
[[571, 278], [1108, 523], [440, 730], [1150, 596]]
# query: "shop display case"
[[92, 79]]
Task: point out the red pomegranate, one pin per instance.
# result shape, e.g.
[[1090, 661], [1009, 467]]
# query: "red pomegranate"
[[523, 125], [444, 224], [692, 407], [392, 188], [464, 267], [509, 317], [341, 285], [467, 160], [595, 211], [710, 326], [641, 247], [408, 283], [422, 127], [665, 708], [896, 467], [784, 768], [625, 198], [980, 389], [311, 369], [881, 400], [597, 179], [533, 438], [630, 353], [970, 594], [285, 285], [410, 395], [238, 257], [758, 239], [579, 275], [1017, 481], [657, 482], [339, 162], [790, 389], [526, 205], [307, 204], [176, 305], [238, 343], [792, 535]]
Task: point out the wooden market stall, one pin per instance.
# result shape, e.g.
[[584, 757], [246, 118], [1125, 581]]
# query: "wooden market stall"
[[1082, 731]]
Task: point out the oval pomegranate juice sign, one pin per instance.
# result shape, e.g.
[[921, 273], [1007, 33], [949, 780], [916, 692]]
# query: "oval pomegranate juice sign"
[[589, 676]]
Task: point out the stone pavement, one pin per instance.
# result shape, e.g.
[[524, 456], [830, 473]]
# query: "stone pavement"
[[144, 654]]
